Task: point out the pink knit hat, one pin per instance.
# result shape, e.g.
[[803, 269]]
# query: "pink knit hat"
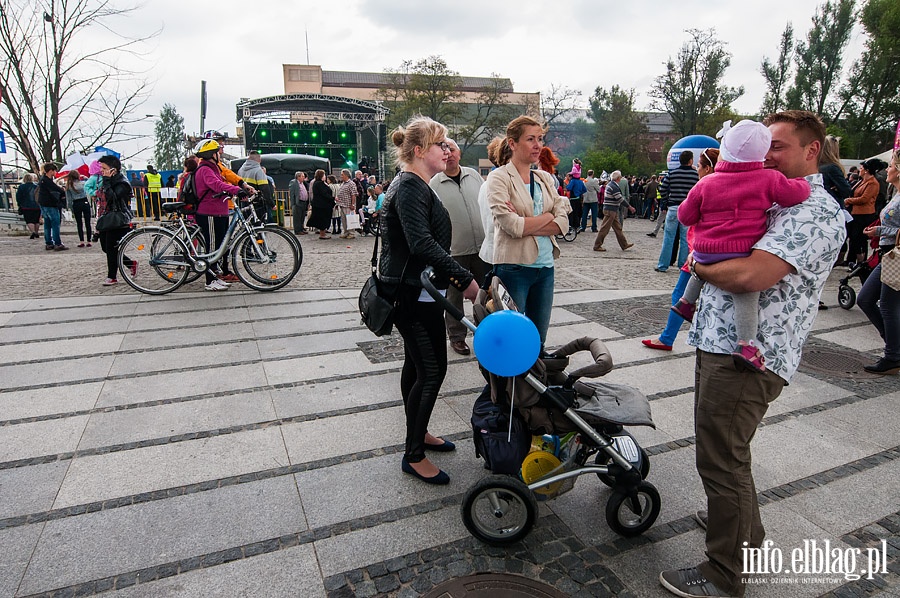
[[747, 141], [94, 168]]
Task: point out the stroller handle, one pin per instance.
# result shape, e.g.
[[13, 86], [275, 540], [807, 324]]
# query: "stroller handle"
[[426, 279]]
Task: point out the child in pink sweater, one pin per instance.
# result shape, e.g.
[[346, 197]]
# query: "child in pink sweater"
[[727, 211]]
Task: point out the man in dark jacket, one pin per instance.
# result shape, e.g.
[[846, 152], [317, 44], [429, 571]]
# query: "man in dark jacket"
[[52, 200], [674, 189]]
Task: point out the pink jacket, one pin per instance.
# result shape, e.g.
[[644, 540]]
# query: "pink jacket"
[[209, 184], [728, 208]]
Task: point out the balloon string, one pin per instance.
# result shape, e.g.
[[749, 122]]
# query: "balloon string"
[[512, 403]]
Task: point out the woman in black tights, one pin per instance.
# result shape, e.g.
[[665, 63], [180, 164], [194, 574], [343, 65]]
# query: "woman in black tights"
[[417, 234]]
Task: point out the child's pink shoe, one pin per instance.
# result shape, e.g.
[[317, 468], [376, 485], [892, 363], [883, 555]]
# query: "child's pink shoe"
[[749, 355], [685, 310]]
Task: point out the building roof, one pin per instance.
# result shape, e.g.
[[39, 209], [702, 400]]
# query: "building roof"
[[659, 122], [355, 79]]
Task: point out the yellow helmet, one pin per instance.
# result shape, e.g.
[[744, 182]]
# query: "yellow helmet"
[[206, 148]]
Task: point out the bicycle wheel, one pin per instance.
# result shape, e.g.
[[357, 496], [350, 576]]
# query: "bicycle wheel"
[[194, 241], [293, 239], [266, 260], [153, 260]]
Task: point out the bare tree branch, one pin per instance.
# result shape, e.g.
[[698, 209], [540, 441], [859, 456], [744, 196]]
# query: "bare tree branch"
[[58, 99]]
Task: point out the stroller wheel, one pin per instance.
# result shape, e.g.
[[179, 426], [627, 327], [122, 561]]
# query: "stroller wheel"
[[603, 459], [499, 510], [846, 296], [571, 234], [631, 511]]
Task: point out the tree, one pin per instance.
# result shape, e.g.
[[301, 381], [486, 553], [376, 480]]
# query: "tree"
[[776, 75], [488, 116], [607, 160], [618, 125], [692, 87], [427, 87], [170, 148], [819, 59], [559, 102], [870, 104], [57, 99]]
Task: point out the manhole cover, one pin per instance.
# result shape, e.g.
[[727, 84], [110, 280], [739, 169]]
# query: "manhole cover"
[[493, 585], [655, 315], [834, 362], [381, 351]]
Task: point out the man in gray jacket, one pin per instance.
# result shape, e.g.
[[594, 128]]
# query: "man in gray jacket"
[[458, 187], [590, 202]]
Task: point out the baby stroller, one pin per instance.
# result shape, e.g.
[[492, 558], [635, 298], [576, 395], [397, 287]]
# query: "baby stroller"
[[846, 293], [559, 423]]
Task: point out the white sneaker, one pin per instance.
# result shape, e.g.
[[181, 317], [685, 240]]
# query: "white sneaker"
[[225, 282], [217, 285]]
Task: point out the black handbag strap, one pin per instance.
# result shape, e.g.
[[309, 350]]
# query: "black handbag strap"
[[375, 264]]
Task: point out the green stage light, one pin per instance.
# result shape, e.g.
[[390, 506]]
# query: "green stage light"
[[290, 151], [314, 134], [321, 152], [343, 134], [295, 134], [262, 133], [349, 152]]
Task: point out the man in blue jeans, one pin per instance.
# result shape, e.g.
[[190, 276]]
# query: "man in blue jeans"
[[675, 188], [52, 200]]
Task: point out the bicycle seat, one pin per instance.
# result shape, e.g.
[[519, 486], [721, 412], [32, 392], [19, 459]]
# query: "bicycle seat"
[[172, 206]]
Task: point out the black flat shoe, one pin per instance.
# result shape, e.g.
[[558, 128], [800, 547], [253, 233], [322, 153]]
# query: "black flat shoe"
[[440, 479], [445, 447], [884, 366]]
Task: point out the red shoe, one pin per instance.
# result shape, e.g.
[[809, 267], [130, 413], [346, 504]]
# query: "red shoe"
[[652, 344], [685, 310], [749, 356], [230, 278]]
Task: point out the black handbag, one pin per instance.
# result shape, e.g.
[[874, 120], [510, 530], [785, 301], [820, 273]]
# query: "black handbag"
[[111, 221], [376, 305]]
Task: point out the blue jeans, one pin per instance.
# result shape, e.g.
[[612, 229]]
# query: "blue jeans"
[[52, 218], [592, 209], [673, 324], [884, 315], [532, 290], [673, 227]]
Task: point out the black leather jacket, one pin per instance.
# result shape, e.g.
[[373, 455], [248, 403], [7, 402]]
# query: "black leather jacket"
[[49, 194], [417, 227]]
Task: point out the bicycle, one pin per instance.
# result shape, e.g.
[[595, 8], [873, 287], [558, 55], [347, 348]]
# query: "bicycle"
[[157, 260], [193, 237]]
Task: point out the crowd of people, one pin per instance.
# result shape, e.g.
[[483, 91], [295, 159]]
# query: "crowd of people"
[[755, 228]]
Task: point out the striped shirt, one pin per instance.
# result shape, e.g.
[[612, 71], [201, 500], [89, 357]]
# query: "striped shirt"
[[613, 199], [676, 186]]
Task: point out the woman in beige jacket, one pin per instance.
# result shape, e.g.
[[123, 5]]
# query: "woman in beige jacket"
[[528, 213]]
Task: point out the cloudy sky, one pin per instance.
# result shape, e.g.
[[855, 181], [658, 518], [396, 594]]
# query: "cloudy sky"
[[238, 47]]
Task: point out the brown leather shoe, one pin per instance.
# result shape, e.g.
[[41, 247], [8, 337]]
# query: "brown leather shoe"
[[627, 247], [599, 249], [460, 347]]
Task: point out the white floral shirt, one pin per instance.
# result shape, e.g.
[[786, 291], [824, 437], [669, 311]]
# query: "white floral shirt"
[[806, 236]]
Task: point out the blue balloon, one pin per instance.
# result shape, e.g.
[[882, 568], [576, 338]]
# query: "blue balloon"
[[507, 343]]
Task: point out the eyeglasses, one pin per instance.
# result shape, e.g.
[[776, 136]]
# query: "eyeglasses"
[[443, 145]]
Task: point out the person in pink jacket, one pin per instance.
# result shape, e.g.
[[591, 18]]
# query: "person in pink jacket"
[[727, 211], [212, 212]]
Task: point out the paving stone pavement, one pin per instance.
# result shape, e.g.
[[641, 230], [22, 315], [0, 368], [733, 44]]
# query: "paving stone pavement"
[[247, 444]]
